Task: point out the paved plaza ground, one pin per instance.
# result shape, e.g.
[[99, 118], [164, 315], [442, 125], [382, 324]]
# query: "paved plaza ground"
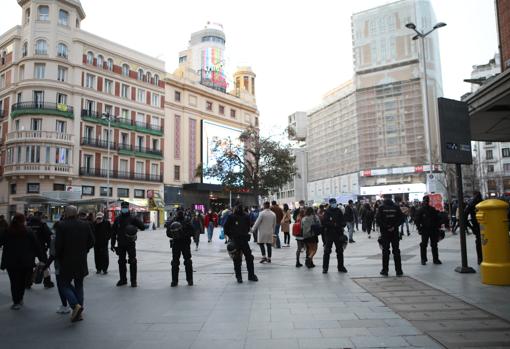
[[287, 308]]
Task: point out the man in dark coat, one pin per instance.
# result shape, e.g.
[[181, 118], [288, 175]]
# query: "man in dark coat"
[[334, 224], [124, 231], [102, 234], [389, 217], [43, 234], [428, 224], [475, 226], [73, 240], [180, 231], [237, 228]]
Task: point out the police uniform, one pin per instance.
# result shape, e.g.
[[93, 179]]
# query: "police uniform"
[[428, 224], [389, 217], [180, 244], [334, 224], [121, 234]]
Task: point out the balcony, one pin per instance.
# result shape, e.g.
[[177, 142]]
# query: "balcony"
[[128, 124], [37, 169], [41, 108], [40, 136], [124, 149], [97, 143], [3, 113], [96, 172]]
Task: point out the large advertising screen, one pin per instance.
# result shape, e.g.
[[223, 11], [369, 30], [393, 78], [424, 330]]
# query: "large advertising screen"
[[211, 134]]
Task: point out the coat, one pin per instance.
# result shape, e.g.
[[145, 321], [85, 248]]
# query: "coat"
[[73, 240], [20, 250], [285, 223], [265, 224]]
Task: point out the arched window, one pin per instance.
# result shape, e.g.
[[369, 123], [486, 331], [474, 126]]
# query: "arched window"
[[24, 49], [100, 61], [140, 74], [156, 79], [90, 57], [41, 47], [109, 64], [149, 77], [43, 13], [125, 69], [62, 51], [63, 17]]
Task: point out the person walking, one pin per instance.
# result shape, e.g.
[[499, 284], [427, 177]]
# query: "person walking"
[[254, 214], [180, 231], [334, 224], [265, 227], [73, 240], [43, 235], [211, 221], [350, 217], [20, 248], [279, 216], [310, 227], [285, 225], [124, 232], [475, 225], [428, 224], [367, 218], [237, 228], [197, 222], [389, 218], [405, 211], [102, 234]]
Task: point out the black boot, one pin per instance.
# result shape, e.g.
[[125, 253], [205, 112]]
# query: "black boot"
[[308, 264], [237, 270], [298, 263], [250, 267], [188, 267], [122, 272], [132, 274], [340, 261], [325, 263], [175, 274], [48, 283], [398, 262], [385, 263], [423, 253]]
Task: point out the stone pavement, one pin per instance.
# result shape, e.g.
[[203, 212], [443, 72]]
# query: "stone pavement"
[[287, 308]]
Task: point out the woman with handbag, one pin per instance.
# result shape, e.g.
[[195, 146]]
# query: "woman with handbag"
[[297, 232], [310, 227], [285, 225]]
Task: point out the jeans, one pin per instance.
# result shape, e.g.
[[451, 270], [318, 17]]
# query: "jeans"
[[277, 234], [18, 277], [402, 226], [60, 291], [210, 230], [263, 250], [73, 292], [350, 229]]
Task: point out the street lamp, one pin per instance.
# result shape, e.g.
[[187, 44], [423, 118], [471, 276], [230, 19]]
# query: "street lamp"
[[106, 116], [422, 36]]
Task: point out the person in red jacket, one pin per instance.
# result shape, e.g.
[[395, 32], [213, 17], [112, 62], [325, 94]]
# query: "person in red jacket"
[[211, 221]]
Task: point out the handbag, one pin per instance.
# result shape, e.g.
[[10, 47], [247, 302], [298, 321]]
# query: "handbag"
[[296, 229], [222, 234]]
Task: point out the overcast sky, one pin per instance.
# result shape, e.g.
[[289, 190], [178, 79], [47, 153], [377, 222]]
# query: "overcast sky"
[[299, 49]]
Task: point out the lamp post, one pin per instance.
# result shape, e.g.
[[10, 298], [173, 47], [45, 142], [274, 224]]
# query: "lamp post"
[[422, 36], [106, 116]]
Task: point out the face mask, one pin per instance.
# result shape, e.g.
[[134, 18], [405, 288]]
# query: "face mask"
[[124, 210], [334, 205]]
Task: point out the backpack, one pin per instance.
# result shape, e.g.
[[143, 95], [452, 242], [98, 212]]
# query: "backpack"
[[296, 229], [316, 227], [175, 231]]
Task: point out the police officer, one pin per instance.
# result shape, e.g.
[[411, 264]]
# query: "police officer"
[[180, 231], [237, 228], [124, 232], [389, 217], [428, 224], [334, 224], [475, 226]]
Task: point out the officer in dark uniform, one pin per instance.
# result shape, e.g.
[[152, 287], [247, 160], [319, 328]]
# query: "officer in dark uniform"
[[334, 224], [124, 232], [428, 224], [389, 217], [180, 231], [475, 226], [237, 228]]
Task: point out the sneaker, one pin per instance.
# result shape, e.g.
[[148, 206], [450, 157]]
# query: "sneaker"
[[400, 273], [16, 306], [75, 315], [121, 282], [384, 272], [342, 269], [63, 310], [351, 241], [253, 278], [437, 261], [263, 260]]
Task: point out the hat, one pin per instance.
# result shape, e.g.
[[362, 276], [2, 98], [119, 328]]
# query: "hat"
[[332, 201], [426, 198], [99, 215], [124, 204]]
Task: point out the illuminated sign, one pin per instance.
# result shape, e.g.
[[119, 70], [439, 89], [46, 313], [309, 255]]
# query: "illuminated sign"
[[212, 73]]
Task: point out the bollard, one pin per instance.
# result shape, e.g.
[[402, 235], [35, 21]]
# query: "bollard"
[[493, 219]]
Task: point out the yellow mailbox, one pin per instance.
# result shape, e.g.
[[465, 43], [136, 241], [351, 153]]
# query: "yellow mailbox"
[[493, 219]]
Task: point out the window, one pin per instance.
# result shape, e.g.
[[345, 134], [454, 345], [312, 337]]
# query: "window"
[[156, 79], [125, 114], [60, 126], [208, 106], [125, 91], [155, 100], [43, 13], [506, 167], [41, 47], [24, 49], [77, 23], [155, 144], [59, 187], [490, 168], [87, 190], [13, 188], [232, 113], [140, 97], [35, 124], [149, 77], [90, 106], [139, 193], [61, 98], [139, 142], [177, 173], [63, 17], [33, 154], [109, 64], [100, 61], [108, 109], [156, 122], [2, 80], [123, 192], [488, 143], [222, 110], [177, 96], [88, 132], [61, 155], [505, 152], [124, 139], [106, 163], [90, 57], [140, 118], [105, 191], [183, 59], [33, 188], [108, 86], [155, 169], [140, 74], [123, 166], [125, 70], [62, 51], [488, 154], [38, 98], [87, 162], [90, 81], [62, 74], [27, 15], [16, 125], [39, 69]]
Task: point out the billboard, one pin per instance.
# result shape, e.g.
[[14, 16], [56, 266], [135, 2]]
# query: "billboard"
[[211, 133], [212, 73]]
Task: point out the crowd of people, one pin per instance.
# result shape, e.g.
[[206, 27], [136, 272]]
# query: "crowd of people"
[[66, 246]]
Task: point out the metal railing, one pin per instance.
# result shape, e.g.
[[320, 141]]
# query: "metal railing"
[[42, 105], [96, 172], [116, 119], [99, 143], [136, 148], [39, 135]]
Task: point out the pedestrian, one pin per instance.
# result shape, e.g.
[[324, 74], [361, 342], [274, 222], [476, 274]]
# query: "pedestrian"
[[20, 247], [334, 224], [73, 240], [3, 224], [43, 235], [222, 220], [298, 209], [124, 233], [405, 211], [254, 214], [279, 216], [453, 215], [475, 225], [285, 225], [350, 217], [310, 227], [102, 234], [237, 228], [428, 224], [297, 232], [197, 221], [265, 227], [389, 218], [367, 218], [211, 221], [180, 231]]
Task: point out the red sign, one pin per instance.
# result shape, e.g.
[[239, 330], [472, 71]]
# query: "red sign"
[[367, 173], [418, 169]]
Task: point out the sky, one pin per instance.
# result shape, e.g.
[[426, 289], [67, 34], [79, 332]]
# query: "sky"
[[299, 49]]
